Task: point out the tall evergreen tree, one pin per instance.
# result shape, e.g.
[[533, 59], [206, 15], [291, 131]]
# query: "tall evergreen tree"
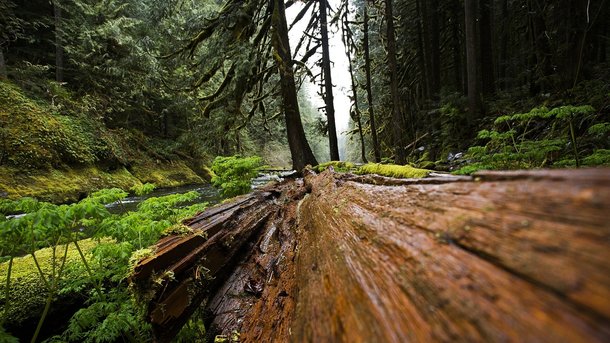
[[299, 147], [398, 130], [369, 91], [329, 105], [472, 58]]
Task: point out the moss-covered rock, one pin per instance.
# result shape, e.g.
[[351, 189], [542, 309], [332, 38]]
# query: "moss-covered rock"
[[392, 170], [338, 166], [166, 174]]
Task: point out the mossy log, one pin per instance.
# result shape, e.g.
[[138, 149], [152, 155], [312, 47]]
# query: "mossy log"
[[501, 256]]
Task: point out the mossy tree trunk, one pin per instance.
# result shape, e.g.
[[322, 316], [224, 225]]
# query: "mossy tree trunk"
[[329, 105], [369, 91], [472, 60], [299, 147], [398, 125], [59, 47], [2, 65]]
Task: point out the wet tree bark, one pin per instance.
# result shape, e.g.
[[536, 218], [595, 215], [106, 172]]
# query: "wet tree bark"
[[503, 256], [487, 61], [355, 113], [397, 117], [59, 46], [472, 59], [328, 84], [299, 147], [2, 65], [369, 91]]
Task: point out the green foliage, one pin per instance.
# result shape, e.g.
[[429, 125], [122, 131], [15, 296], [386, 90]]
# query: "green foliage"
[[392, 170], [143, 189], [7, 337], [111, 314], [597, 158], [541, 137], [193, 331], [234, 174], [23, 205], [600, 129], [111, 320]]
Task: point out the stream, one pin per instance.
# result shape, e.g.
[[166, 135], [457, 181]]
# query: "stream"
[[207, 193]]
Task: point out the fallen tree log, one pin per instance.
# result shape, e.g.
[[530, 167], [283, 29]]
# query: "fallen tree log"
[[502, 256]]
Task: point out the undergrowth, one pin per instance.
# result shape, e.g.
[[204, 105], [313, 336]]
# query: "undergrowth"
[[88, 253], [566, 136], [234, 174]]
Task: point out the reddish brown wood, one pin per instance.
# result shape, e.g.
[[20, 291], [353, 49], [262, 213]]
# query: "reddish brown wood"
[[521, 257], [502, 256]]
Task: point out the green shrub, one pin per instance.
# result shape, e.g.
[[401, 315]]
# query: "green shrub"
[[59, 270], [234, 174], [143, 189], [539, 138]]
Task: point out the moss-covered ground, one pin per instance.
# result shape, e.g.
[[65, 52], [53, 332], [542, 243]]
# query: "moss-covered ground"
[[59, 152], [393, 170]]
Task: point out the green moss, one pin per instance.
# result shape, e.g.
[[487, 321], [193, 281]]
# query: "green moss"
[[28, 292], [392, 170], [338, 166], [70, 184], [60, 186], [472, 168], [166, 174]]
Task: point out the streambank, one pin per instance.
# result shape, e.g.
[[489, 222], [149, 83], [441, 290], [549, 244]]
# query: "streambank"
[[69, 184]]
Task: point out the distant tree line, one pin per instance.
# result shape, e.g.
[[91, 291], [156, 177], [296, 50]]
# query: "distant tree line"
[[429, 73]]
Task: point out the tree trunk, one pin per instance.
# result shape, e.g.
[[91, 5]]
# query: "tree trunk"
[[504, 37], [328, 84], [59, 47], [472, 60], [369, 92], [487, 61], [502, 256], [421, 47], [355, 110], [398, 130], [434, 48], [541, 65], [2, 65], [456, 46], [299, 147]]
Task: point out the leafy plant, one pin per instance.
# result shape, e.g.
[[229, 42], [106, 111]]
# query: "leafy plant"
[[539, 138], [233, 174], [69, 265], [142, 189]]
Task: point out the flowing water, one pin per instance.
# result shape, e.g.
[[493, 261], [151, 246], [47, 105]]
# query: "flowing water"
[[207, 193]]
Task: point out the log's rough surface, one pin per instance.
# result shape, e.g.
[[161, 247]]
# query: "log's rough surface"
[[503, 256]]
